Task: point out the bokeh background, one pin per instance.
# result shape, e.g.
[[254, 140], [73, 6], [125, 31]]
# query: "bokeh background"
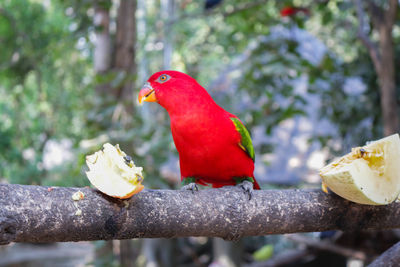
[[308, 78]]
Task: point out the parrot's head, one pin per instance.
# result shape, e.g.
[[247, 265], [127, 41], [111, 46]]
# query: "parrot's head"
[[173, 90]]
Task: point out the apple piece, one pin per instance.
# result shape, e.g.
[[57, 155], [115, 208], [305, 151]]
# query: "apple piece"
[[114, 173], [368, 174]]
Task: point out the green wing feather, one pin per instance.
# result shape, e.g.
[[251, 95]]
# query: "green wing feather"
[[245, 140]]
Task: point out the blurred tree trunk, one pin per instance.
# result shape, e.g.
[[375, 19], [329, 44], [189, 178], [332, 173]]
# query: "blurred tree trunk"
[[227, 253], [102, 46], [102, 49], [127, 255], [119, 64], [149, 249], [125, 41], [125, 66], [105, 251], [119, 61], [160, 252], [167, 14], [102, 64], [383, 57], [167, 252], [143, 67], [386, 73]]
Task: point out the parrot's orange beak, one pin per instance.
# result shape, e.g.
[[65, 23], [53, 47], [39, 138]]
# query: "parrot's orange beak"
[[147, 94]]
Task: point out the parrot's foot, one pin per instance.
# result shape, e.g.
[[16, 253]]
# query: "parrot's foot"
[[247, 187], [189, 183], [192, 186]]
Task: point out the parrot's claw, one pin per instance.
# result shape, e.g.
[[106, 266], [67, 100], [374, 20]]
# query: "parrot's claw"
[[247, 187], [191, 186]]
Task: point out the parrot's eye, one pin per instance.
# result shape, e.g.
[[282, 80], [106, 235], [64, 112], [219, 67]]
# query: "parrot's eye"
[[163, 78]]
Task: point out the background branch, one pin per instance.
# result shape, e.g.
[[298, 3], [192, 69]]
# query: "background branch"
[[43, 214], [327, 246], [389, 258]]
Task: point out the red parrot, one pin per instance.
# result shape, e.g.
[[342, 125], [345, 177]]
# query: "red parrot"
[[214, 146], [291, 11]]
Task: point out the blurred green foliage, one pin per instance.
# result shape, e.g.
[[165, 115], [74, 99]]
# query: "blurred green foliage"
[[44, 88]]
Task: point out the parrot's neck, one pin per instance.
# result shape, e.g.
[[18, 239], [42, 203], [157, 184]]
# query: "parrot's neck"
[[188, 103]]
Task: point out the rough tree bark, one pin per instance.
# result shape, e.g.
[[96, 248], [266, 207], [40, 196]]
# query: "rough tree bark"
[[43, 214], [383, 57]]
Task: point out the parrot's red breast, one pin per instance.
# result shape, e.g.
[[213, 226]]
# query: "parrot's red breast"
[[210, 145]]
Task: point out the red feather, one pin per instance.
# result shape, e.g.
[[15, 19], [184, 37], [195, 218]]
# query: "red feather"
[[203, 133]]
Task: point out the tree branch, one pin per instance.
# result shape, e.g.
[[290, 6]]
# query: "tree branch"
[[367, 42], [389, 258], [43, 214]]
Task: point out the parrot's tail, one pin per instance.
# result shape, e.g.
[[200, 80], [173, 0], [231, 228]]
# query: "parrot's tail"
[[256, 185]]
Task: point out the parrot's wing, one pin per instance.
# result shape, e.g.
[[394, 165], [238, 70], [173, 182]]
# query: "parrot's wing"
[[245, 139]]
